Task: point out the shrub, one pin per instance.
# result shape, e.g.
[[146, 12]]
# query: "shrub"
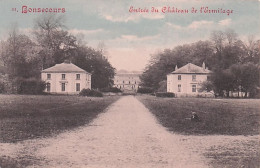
[[111, 89], [145, 90], [90, 93], [162, 86], [29, 86], [164, 94]]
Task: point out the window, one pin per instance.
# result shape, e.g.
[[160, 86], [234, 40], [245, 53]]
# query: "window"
[[193, 88], [77, 87], [48, 76], [179, 77], [129, 82], [63, 76], [48, 87], [179, 88], [193, 77], [208, 77], [77, 76], [63, 87], [123, 81]]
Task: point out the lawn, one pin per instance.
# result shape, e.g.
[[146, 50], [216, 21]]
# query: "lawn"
[[25, 117], [219, 118]]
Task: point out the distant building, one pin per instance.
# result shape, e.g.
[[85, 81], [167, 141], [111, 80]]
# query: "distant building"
[[66, 78], [186, 80], [127, 81]]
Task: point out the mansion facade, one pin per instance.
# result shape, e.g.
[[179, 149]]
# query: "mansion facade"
[[127, 81]]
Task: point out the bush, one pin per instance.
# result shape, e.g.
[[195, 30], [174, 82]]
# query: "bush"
[[145, 90], [164, 94], [162, 86], [111, 89], [90, 93], [29, 86]]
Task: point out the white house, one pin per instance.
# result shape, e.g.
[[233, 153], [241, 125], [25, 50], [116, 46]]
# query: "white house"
[[186, 80], [66, 78]]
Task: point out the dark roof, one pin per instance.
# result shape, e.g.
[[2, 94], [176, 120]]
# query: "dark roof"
[[191, 69], [64, 67], [125, 72]]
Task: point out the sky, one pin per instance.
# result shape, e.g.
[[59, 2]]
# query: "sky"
[[130, 37]]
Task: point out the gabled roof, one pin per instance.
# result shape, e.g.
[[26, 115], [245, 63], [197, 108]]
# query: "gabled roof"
[[64, 67], [191, 69]]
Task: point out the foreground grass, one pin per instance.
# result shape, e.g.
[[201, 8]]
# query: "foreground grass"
[[218, 117], [25, 117]]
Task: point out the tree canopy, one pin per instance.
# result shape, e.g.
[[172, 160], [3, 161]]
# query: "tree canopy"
[[235, 63], [24, 57]]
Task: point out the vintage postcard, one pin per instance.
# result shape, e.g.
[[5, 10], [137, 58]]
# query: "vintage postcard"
[[130, 83]]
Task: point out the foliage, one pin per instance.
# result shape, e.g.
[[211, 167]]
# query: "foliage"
[[111, 89], [206, 86], [225, 54], [164, 94], [93, 61], [90, 93], [162, 86], [21, 57], [246, 77], [163, 63], [29, 86], [145, 90]]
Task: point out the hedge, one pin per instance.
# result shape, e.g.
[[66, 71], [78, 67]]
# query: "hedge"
[[145, 90], [29, 86], [90, 93], [111, 89], [164, 94]]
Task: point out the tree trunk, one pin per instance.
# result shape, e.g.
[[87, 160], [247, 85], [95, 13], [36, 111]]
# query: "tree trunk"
[[245, 94]]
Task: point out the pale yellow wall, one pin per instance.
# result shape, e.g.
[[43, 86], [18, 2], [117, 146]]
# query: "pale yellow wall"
[[185, 82], [70, 80]]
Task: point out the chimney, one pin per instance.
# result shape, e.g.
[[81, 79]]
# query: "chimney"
[[203, 65], [67, 61], [176, 67]]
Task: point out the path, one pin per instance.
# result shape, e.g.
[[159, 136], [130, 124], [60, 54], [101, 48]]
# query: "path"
[[127, 135]]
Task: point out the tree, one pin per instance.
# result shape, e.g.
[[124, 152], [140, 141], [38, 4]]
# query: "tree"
[[223, 82], [247, 77], [92, 61], [163, 63], [55, 42], [19, 56], [251, 50]]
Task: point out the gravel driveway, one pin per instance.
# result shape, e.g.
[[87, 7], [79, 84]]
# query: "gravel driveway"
[[127, 135]]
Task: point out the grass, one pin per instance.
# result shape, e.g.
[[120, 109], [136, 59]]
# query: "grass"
[[218, 116], [239, 155], [25, 117]]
